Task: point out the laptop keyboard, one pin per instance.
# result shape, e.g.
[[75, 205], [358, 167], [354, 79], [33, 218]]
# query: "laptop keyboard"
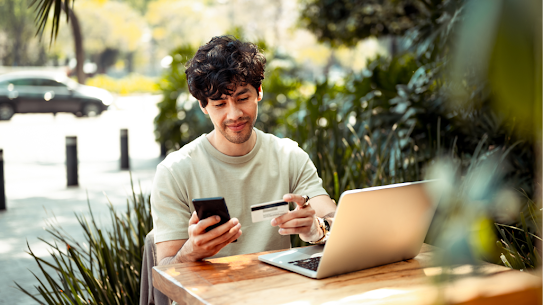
[[308, 263]]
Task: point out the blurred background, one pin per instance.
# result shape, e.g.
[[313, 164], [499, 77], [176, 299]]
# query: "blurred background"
[[375, 91]]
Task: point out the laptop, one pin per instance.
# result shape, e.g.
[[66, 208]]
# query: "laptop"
[[372, 227]]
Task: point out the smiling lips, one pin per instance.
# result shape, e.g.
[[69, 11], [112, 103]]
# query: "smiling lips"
[[237, 127]]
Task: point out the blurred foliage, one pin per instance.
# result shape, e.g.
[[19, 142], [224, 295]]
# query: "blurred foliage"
[[432, 40], [131, 84], [507, 61], [498, 60], [139, 5], [348, 133], [123, 24], [345, 22], [178, 107], [424, 23], [18, 47], [172, 22], [472, 192], [124, 27], [102, 269]]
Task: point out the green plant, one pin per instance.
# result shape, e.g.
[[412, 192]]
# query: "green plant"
[[519, 242], [105, 269], [342, 142]]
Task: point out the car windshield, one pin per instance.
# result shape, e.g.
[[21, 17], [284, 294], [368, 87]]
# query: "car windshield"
[[51, 83], [25, 82]]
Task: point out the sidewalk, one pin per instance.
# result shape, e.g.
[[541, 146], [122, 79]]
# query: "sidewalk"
[[36, 181]]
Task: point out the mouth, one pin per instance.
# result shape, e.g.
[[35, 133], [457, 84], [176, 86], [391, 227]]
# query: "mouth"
[[237, 127]]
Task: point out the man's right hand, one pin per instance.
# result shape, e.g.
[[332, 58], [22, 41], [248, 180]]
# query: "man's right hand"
[[202, 244]]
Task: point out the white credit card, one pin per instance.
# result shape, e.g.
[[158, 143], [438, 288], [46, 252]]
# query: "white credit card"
[[268, 210]]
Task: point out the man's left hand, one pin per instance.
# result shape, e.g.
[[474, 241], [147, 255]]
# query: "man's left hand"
[[301, 220]]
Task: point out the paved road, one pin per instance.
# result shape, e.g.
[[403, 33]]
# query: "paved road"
[[35, 174]]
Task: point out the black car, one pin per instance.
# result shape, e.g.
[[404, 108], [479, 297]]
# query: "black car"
[[41, 92]]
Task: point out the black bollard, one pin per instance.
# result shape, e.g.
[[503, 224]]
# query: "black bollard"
[[125, 164], [2, 188], [71, 161]]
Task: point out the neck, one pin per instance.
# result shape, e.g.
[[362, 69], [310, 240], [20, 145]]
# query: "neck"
[[231, 149]]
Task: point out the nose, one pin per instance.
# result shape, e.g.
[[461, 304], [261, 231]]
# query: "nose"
[[234, 112]]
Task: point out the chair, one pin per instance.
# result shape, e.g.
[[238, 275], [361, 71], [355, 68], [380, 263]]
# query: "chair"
[[149, 295]]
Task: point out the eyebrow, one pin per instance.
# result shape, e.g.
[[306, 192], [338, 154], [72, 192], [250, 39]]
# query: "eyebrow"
[[235, 95], [241, 92]]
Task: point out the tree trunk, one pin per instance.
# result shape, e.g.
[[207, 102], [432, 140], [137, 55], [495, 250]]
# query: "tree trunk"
[[78, 43], [130, 62]]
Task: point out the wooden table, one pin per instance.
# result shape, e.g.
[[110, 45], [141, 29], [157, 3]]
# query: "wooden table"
[[243, 279]]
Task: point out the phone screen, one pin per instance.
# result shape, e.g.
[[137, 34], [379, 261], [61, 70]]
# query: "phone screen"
[[207, 207]]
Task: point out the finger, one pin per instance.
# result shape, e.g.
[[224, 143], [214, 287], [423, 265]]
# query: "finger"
[[291, 231], [218, 247], [299, 213], [298, 223], [225, 238], [225, 227], [202, 225], [298, 199], [221, 230], [236, 236]]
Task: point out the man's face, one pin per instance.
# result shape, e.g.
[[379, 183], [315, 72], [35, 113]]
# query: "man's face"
[[234, 116]]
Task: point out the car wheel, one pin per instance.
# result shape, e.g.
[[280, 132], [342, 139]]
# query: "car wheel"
[[91, 110], [6, 111]]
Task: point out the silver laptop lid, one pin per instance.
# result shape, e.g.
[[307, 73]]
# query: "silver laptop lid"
[[376, 226]]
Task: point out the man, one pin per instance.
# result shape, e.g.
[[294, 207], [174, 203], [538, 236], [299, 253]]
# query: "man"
[[234, 161]]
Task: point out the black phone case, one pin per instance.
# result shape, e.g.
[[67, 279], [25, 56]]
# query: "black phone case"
[[207, 207]]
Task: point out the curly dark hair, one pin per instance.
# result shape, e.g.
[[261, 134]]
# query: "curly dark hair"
[[221, 65]]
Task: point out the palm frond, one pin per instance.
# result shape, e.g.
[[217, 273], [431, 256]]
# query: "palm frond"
[[43, 9]]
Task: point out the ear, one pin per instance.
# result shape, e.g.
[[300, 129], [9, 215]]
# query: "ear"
[[260, 93], [202, 108]]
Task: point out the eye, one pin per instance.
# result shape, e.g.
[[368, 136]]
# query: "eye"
[[219, 105], [244, 99]]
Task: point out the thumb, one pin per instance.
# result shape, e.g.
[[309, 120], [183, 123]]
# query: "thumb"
[[193, 219]]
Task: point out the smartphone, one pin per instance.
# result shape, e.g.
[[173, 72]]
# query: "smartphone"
[[207, 207]]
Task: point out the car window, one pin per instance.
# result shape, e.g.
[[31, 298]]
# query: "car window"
[[51, 83], [25, 82]]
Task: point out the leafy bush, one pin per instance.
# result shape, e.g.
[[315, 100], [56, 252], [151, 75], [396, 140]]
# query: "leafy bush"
[[346, 133], [105, 269]]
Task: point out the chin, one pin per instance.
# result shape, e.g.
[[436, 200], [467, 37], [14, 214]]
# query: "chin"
[[239, 137]]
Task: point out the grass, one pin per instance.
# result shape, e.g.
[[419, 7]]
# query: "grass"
[[517, 243]]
